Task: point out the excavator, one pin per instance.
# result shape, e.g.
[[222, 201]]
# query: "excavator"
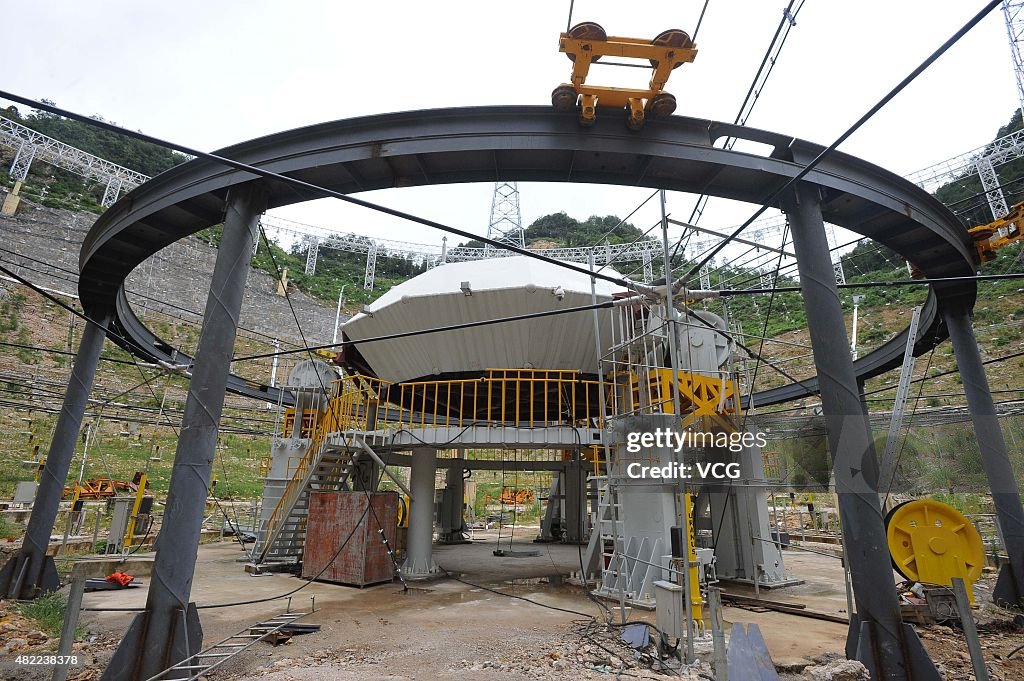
[[586, 43]]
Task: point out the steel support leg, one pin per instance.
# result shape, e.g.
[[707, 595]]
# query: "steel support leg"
[[31, 572], [452, 524], [168, 631], [575, 497], [888, 648], [419, 561], [994, 459]]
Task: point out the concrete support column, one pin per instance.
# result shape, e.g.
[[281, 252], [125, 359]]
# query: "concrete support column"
[[888, 648], [169, 629], [1005, 492], [30, 572], [419, 561]]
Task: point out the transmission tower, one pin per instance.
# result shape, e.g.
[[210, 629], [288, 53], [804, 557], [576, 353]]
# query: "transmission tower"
[[506, 225], [1013, 12]]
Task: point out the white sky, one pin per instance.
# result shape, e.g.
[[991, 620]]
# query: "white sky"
[[210, 74]]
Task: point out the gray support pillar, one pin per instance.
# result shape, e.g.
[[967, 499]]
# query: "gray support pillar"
[[453, 524], [574, 497], [419, 561], [365, 474], [1005, 492], [888, 648], [169, 631], [31, 571]]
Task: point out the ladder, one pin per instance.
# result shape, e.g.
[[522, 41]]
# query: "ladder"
[[605, 529], [283, 536], [208, 659]]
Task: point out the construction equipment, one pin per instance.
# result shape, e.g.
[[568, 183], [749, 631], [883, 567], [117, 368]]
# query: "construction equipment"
[[99, 488], [513, 496], [587, 42], [931, 543], [999, 233]]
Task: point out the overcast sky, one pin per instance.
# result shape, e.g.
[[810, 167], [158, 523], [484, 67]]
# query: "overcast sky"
[[210, 74]]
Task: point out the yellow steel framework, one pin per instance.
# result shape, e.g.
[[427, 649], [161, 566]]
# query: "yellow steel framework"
[[703, 400], [586, 43]]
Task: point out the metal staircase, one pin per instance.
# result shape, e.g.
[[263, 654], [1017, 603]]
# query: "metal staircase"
[[324, 467]]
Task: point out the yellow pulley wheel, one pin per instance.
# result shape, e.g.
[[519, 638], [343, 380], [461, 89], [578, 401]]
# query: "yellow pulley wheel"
[[932, 542]]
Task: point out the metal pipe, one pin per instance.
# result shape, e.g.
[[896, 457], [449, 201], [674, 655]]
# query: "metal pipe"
[[85, 452], [67, 631], [853, 342], [970, 629], [42, 575], [850, 443], [670, 321], [994, 457], [337, 317]]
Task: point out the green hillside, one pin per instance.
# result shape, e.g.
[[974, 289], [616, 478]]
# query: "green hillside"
[[57, 188]]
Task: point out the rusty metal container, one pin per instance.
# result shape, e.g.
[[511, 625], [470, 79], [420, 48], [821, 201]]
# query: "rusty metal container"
[[363, 559]]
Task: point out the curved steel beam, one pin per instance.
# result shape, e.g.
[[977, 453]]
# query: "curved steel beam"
[[527, 144]]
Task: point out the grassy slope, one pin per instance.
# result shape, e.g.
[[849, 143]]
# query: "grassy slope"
[[116, 446]]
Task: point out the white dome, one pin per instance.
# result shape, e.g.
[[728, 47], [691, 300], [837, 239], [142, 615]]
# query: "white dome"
[[498, 287]]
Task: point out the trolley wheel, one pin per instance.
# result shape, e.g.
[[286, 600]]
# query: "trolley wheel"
[[673, 37], [588, 30], [635, 116], [662, 105], [563, 98]]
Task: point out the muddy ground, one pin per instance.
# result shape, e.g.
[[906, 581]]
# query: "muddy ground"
[[449, 629]]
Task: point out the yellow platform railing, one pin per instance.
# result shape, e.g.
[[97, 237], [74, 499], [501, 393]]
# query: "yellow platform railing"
[[501, 397]]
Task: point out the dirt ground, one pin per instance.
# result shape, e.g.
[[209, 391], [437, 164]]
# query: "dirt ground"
[[449, 629]]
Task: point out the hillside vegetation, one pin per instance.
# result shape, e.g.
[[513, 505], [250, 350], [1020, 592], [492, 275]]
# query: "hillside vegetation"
[[935, 457], [57, 188]]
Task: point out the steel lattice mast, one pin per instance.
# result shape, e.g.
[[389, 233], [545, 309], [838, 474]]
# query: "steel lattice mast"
[[506, 223], [1013, 12]]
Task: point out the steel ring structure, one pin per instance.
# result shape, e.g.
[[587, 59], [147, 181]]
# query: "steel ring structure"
[[530, 144]]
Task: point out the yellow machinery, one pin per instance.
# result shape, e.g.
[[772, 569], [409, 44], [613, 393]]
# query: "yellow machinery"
[[990, 238], [995, 235], [932, 543], [696, 602], [512, 496], [129, 534], [586, 43]]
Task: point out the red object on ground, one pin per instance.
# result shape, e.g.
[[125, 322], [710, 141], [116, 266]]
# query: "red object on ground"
[[120, 578]]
